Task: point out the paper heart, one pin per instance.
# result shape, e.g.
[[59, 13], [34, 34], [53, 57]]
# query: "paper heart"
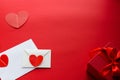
[[3, 60], [16, 20], [35, 60]]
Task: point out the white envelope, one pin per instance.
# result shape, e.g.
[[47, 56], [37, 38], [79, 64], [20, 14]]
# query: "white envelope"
[[46, 53], [15, 67]]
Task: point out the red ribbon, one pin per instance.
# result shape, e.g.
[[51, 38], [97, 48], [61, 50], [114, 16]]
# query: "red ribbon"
[[113, 57]]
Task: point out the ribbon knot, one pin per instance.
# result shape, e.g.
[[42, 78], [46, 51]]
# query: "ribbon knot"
[[113, 57]]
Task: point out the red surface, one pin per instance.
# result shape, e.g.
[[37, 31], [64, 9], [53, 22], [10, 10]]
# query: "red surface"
[[70, 28]]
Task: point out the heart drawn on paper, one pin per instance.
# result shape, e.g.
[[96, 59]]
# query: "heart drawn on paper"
[[3, 60], [16, 20], [35, 60]]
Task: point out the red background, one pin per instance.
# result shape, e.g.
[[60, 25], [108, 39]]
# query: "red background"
[[70, 28]]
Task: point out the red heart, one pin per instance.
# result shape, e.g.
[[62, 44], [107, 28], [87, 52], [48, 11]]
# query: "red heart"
[[36, 60], [3, 60], [16, 20]]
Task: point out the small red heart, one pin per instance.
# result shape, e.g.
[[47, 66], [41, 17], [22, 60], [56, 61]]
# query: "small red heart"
[[17, 20], [3, 60], [35, 60]]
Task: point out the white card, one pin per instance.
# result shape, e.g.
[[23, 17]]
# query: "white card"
[[46, 53], [15, 68]]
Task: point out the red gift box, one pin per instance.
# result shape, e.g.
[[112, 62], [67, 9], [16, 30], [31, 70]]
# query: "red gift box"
[[105, 65]]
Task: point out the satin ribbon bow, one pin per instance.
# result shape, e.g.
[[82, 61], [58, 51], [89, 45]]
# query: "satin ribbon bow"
[[113, 57]]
